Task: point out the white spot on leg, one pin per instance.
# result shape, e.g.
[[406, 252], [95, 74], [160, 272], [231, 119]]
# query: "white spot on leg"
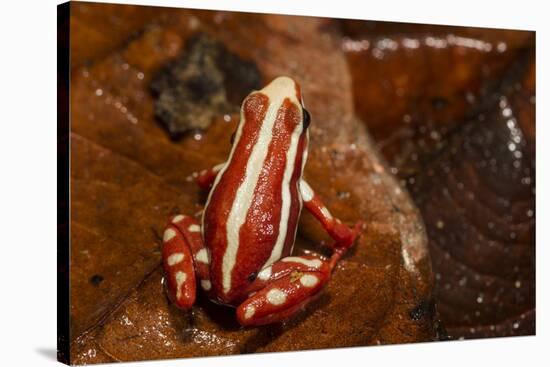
[[175, 259], [180, 279], [249, 312], [202, 256], [168, 235], [178, 218], [326, 213], [265, 273], [315, 263], [309, 280], [306, 191], [194, 228], [276, 297], [206, 285]]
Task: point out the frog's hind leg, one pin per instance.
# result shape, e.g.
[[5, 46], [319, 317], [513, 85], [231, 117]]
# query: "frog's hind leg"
[[184, 258], [283, 289]]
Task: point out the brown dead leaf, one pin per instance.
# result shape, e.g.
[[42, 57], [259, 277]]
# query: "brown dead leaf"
[[128, 177]]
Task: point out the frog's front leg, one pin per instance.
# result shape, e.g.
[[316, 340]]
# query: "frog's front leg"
[[283, 289], [184, 258], [205, 178], [343, 235]]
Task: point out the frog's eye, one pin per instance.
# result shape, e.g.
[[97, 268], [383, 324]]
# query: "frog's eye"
[[252, 277], [307, 118], [232, 139]]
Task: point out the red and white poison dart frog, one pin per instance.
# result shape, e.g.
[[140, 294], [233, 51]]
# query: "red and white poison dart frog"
[[240, 253]]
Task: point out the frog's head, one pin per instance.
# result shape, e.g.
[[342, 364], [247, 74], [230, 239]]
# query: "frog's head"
[[276, 109], [285, 99]]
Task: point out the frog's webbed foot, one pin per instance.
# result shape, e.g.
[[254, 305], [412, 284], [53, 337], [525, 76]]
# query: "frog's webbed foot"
[[283, 289], [184, 258]]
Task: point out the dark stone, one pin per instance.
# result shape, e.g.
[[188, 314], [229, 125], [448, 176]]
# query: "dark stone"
[[206, 81]]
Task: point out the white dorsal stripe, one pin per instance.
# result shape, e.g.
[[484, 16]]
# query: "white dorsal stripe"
[[286, 199], [277, 91]]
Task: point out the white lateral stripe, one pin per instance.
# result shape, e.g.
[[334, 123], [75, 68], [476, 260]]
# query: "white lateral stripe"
[[286, 199], [276, 92], [306, 150], [218, 167], [315, 263], [223, 168], [300, 201]]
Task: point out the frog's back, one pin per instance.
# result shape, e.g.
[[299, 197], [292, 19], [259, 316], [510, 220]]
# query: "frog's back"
[[252, 211]]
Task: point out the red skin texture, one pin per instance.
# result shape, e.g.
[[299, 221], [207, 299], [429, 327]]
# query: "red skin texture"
[[259, 232], [171, 247], [297, 297], [221, 199]]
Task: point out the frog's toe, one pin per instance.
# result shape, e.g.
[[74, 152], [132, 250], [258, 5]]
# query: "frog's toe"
[[177, 261]]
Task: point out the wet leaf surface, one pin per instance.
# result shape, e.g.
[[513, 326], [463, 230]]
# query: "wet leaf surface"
[[461, 135], [128, 176]]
